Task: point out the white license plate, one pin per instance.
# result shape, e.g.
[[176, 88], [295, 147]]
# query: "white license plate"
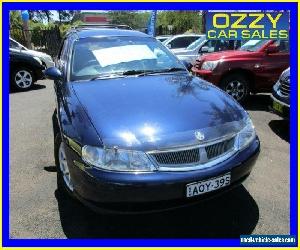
[[201, 187]]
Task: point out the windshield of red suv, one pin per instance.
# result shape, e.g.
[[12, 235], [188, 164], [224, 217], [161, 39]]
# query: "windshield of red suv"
[[253, 45]]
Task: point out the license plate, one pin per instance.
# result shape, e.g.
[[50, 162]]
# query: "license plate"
[[201, 187], [277, 106]]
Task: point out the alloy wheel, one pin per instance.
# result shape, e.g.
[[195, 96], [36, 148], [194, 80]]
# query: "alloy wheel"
[[64, 168], [236, 89], [23, 79]]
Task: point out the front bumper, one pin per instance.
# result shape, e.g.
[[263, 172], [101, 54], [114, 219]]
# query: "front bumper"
[[111, 191], [279, 107], [207, 75]]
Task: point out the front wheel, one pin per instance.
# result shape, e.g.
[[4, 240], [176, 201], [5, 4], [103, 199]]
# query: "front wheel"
[[64, 180], [237, 86], [22, 79]]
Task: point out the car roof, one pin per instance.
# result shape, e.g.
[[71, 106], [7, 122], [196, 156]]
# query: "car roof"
[[104, 32], [184, 35]]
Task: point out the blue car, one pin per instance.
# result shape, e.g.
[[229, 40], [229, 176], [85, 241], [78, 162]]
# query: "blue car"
[[134, 131]]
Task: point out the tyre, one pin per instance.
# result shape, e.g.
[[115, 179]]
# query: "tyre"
[[237, 86], [22, 78], [64, 180]]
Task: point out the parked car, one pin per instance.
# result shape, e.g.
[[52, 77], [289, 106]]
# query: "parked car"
[[281, 95], [181, 41], [24, 70], [203, 46], [136, 128], [162, 38], [253, 68], [45, 58]]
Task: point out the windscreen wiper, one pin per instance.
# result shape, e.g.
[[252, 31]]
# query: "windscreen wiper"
[[149, 72], [105, 76], [136, 72]]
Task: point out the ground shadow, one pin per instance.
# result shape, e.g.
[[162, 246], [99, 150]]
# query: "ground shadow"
[[258, 102], [50, 169], [35, 86], [226, 216], [281, 128]]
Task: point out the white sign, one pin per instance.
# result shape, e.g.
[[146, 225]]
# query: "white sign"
[[127, 53]]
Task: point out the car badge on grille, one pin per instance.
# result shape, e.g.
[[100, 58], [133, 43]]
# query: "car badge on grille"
[[199, 136]]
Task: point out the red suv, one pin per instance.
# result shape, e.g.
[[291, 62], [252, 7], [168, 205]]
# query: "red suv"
[[255, 67]]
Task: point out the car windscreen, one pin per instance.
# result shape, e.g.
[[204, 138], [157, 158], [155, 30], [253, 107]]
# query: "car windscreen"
[[162, 39], [253, 45], [92, 57], [195, 44]]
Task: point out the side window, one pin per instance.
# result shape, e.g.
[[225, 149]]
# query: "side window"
[[222, 45], [211, 44], [177, 43], [191, 39], [182, 42], [283, 45], [13, 45]]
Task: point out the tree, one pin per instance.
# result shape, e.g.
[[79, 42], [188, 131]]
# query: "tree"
[[15, 20], [182, 21], [41, 15], [65, 15], [122, 17]]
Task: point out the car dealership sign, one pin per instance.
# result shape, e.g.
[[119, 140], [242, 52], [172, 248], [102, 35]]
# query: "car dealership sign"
[[247, 25]]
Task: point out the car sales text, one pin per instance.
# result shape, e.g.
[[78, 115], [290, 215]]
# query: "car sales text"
[[246, 26]]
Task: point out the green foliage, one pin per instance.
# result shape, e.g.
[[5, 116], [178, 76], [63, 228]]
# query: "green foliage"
[[182, 21], [65, 27], [15, 23], [15, 20], [135, 19]]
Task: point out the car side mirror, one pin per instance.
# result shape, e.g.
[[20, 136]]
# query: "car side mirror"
[[205, 49], [272, 49], [169, 46], [53, 73]]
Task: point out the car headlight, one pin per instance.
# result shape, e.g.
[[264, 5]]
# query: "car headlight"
[[38, 59], [117, 159], [209, 65], [246, 135]]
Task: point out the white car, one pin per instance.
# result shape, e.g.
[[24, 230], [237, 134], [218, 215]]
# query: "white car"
[[45, 58], [180, 41], [203, 46], [162, 38]]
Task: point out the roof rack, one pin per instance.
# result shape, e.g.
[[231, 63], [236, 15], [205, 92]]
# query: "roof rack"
[[103, 26]]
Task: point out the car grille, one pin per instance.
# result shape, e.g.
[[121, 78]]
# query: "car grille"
[[194, 155], [178, 157], [284, 88], [218, 149]]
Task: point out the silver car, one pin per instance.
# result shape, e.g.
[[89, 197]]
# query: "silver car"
[[17, 47], [202, 46], [180, 41]]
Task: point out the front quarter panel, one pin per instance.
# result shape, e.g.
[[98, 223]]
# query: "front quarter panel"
[[72, 119]]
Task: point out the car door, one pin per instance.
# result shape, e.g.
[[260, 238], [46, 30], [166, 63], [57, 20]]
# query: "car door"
[[273, 64]]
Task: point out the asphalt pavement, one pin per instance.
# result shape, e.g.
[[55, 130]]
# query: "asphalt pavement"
[[37, 210]]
